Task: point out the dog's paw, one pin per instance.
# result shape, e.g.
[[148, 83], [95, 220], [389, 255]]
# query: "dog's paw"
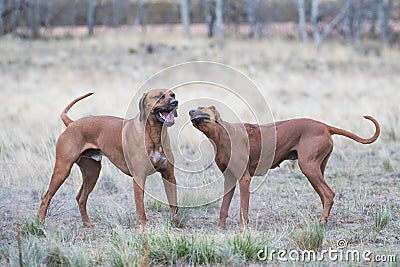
[[323, 221], [88, 224]]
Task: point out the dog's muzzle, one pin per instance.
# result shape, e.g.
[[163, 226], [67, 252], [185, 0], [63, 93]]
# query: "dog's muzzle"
[[167, 114], [198, 117]]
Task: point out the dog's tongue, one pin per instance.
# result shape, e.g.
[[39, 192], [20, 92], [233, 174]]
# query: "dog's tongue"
[[168, 117]]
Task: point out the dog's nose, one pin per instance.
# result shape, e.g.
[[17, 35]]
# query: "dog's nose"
[[173, 102], [192, 111]]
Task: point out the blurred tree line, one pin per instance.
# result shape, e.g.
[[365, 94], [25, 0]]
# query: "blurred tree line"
[[315, 20]]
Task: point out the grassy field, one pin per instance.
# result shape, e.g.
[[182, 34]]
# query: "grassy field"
[[333, 83]]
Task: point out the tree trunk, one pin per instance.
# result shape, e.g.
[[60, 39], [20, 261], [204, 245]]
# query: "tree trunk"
[[49, 14], [384, 13], [358, 23], [185, 17], [139, 15], [15, 15], [219, 24], [314, 21], [347, 21], [90, 17], [302, 20], [332, 25], [251, 17], [2, 30], [374, 15], [209, 17], [116, 13], [35, 18]]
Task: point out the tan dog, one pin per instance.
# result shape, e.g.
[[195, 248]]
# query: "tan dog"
[[84, 141], [239, 155]]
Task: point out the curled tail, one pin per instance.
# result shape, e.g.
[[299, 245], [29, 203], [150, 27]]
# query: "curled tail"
[[64, 117], [334, 130]]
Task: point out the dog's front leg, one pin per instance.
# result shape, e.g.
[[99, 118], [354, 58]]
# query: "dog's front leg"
[[229, 189], [138, 191], [170, 187], [244, 184]]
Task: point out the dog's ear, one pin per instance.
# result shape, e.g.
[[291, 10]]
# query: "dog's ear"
[[142, 107], [216, 113], [217, 116], [175, 113]]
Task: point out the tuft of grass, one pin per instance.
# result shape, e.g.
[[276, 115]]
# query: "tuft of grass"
[[77, 256], [65, 234], [207, 252], [387, 164], [132, 50], [197, 202], [382, 217], [55, 257], [178, 220], [4, 254], [310, 237], [167, 250], [125, 248], [156, 205], [32, 226], [245, 246]]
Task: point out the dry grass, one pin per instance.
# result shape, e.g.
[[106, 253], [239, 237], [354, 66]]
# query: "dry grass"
[[333, 84]]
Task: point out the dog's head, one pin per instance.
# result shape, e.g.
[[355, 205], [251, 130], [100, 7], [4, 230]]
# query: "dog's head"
[[160, 106], [205, 118]]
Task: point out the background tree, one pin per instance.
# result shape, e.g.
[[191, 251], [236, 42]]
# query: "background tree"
[[91, 17], [251, 17], [302, 20], [185, 17], [359, 21], [219, 24], [209, 16], [314, 21], [34, 14], [384, 13], [347, 21], [116, 12]]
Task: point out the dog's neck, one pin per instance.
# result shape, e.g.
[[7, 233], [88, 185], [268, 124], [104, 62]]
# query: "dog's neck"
[[156, 133], [221, 128]]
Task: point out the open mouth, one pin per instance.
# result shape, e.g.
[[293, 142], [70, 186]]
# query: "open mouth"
[[165, 117]]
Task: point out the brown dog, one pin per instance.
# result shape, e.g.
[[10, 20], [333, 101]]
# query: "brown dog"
[[85, 141], [244, 150]]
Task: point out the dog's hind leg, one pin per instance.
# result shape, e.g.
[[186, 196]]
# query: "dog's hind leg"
[[65, 158], [90, 169], [313, 165]]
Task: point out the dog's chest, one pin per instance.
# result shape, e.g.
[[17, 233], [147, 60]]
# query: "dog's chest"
[[158, 159]]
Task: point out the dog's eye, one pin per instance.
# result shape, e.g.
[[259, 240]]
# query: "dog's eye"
[[172, 95], [159, 96]]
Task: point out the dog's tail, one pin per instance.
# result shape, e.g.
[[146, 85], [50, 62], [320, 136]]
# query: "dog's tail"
[[334, 130], [64, 117]]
